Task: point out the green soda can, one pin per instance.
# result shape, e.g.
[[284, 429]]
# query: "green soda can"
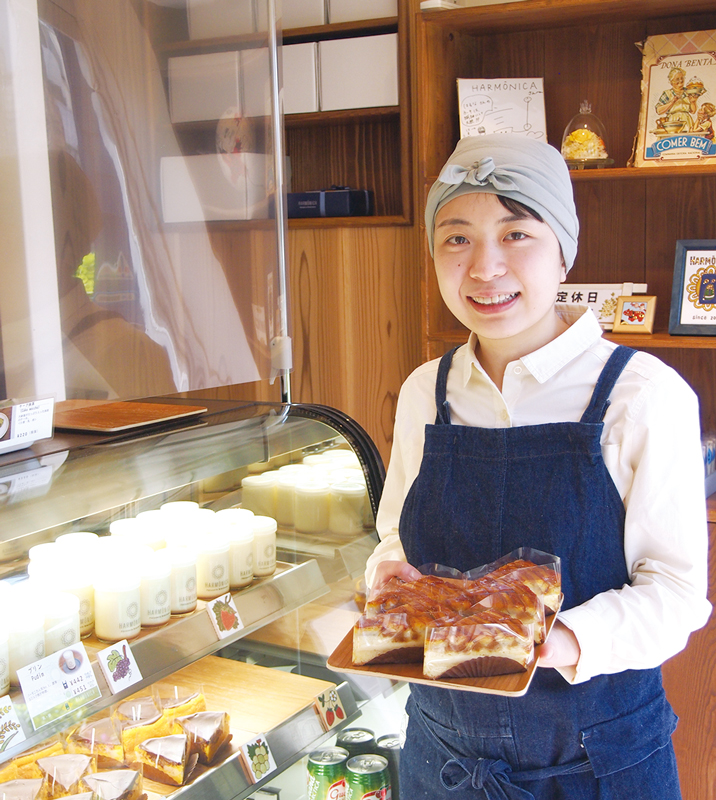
[[367, 778], [327, 774]]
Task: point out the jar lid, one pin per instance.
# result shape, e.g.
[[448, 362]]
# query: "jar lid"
[[312, 487], [348, 489], [178, 506], [77, 539], [262, 479], [264, 524], [214, 542], [43, 552]]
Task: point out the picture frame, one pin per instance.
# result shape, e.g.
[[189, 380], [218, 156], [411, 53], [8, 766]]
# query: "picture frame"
[[693, 294], [635, 314]]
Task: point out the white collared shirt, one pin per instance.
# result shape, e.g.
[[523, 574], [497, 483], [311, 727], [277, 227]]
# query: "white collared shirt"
[[651, 446]]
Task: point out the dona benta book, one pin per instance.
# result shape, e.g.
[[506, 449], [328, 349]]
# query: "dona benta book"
[[678, 100]]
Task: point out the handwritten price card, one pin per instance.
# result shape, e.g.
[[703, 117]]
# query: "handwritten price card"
[[58, 684]]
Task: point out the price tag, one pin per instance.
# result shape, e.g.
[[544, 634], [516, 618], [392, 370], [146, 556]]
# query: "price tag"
[[119, 666], [58, 684], [224, 616]]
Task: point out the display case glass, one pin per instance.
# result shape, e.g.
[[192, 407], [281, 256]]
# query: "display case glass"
[[180, 480]]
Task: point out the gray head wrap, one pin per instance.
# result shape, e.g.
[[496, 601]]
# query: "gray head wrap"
[[531, 172]]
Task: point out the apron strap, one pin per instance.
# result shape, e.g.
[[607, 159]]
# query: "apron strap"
[[493, 776], [614, 367], [441, 403]]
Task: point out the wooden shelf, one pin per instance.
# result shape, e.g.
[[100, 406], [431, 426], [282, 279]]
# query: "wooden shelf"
[[537, 14], [347, 222], [643, 341], [341, 117]]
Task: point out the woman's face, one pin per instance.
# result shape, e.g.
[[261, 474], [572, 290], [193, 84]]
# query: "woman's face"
[[499, 274]]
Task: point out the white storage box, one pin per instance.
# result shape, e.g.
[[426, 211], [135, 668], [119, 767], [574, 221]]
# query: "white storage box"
[[214, 187], [256, 82], [203, 86], [303, 13], [300, 78], [349, 10], [212, 18], [358, 73]]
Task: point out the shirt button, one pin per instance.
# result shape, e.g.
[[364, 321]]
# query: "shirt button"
[[518, 370]]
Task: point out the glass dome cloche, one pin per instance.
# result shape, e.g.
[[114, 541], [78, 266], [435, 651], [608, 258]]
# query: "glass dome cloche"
[[584, 140]]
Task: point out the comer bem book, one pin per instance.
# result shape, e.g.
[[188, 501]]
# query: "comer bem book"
[[678, 100], [502, 105]]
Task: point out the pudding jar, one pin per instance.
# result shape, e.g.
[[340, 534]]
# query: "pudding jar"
[[155, 590], [182, 579], [312, 506], [212, 566], [258, 493], [152, 528], [25, 627], [346, 508], [117, 601], [71, 572], [62, 620], [264, 531], [241, 556], [78, 540], [286, 498]]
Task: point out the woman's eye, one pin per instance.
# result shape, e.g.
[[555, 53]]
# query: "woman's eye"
[[457, 239], [516, 235]]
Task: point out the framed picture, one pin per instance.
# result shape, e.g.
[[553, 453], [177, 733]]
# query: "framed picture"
[[601, 298], [635, 314], [693, 296]]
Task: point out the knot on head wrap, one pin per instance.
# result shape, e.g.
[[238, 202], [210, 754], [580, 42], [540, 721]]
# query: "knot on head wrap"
[[531, 172]]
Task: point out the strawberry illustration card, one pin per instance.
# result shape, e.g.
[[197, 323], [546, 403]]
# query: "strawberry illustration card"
[[119, 666], [329, 709], [257, 759], [224, 616]]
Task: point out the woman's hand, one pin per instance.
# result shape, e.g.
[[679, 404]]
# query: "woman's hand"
[[392, 569], [561, 649]]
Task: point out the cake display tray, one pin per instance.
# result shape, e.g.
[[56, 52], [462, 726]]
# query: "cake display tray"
[[513, 685]]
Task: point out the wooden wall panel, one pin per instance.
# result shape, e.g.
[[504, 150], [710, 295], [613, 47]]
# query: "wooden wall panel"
[[355, 321], [689, 684]]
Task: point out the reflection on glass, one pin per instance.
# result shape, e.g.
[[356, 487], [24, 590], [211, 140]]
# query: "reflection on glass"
[[151, 138]]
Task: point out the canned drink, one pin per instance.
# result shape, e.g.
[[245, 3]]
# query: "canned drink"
[[389, 747], [327, 774], [367, 778], [356, 741]]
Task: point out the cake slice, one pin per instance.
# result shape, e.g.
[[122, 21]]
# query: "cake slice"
[[115, 784], [542, 579], [166, 759], [182, 705], [517, 600], [208, 732], [483, 644], [397, 637], [99, 738], [139, 719], [21, 789], [26, 764], [62, 774]]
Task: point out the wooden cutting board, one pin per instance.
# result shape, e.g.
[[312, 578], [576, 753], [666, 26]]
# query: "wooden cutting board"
[[121, 416]]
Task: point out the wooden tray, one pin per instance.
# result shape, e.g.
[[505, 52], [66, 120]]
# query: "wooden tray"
[[515, 685], [121, 416]]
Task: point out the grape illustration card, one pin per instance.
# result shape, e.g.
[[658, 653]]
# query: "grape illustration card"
[[119, 666]]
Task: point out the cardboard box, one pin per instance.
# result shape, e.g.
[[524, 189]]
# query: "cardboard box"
[[358, 73], [350, 10], [256, 82], [212, 18], [300, 78], [203, 86], [214, 187], [331, 203]]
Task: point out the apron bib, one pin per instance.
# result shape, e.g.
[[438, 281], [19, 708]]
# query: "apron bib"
[[481, 493]]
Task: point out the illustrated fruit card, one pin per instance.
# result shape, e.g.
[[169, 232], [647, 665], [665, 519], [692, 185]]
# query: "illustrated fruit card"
[[224, 616], [257, 759], [119, 666], [678, 100], [329, 709]]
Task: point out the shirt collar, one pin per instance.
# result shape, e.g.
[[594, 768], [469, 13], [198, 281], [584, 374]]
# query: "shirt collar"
[[582, 333]]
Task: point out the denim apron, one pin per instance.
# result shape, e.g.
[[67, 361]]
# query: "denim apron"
[[480, 494]]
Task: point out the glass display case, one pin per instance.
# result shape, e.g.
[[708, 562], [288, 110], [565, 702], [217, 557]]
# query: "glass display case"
[[268, 673]]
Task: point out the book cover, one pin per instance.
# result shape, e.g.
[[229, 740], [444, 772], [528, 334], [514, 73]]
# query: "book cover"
[[502, 105], [678, 100]]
